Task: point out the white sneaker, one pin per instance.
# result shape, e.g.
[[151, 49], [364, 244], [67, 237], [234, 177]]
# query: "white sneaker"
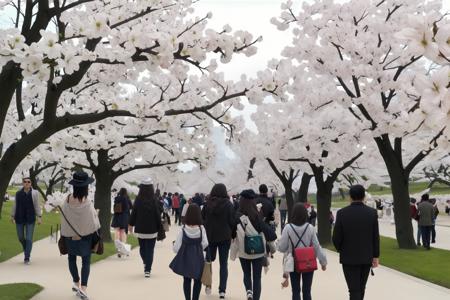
[[208, 290], [249, 295], [221, 295], [147, 274], [75, 288], [82, 295]]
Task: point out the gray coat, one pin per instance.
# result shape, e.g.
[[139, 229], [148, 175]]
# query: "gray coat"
[[426, 213]]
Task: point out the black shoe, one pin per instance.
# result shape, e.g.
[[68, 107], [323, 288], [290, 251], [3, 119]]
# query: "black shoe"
[[419, 244], [433, 242]]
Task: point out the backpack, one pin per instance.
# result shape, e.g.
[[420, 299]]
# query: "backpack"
[[304, 258], [253, 244]]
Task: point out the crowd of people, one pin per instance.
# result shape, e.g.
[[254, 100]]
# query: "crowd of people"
[[219, 226]]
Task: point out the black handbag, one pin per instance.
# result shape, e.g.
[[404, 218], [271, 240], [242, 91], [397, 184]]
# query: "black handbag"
[[97, 243]]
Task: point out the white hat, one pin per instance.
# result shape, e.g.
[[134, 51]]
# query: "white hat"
[[147, 181]]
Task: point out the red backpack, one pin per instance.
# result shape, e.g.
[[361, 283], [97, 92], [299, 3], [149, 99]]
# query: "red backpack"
[[304, 258]]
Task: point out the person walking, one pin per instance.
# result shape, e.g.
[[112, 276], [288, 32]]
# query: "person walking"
[[300, 234], [415, 215], [435, 215], [146, 220], [176, 206], [282, 206], [25, 212], [79, 224], [121, 217], [219, 217], [251, 236], [357, 239], [426, 213], [189, 245], [312, 216], [267, 208]]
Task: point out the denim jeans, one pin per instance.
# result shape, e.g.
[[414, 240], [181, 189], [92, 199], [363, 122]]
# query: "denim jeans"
[[419, 234], [224, 250], [177, 215], [195, 291], [426, 235], [255, 265], [85, 268], [147, 249], [25, 235], [307, 279], [283, 216]]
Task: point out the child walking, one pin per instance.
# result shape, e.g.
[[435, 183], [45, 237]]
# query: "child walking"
[[189, 246]]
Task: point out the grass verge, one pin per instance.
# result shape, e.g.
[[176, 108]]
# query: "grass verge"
[[19, 291], [430, 265]]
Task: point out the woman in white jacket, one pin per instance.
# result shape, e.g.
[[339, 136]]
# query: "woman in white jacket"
[[300, 228], [250, 225]]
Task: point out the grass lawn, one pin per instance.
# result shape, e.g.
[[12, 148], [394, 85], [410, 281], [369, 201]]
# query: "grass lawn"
[[430, 265], [19, 291], [414, 187], [9, 245]]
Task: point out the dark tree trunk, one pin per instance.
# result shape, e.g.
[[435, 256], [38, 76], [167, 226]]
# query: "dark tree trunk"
[[400, 192], [289, 198], [304, 187], [104, 180], [324, 195]]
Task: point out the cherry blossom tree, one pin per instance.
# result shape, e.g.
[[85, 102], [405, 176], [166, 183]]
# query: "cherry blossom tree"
[[354, 45], [70, 63]]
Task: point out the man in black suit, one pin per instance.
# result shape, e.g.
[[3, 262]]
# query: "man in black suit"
[[357, 239]]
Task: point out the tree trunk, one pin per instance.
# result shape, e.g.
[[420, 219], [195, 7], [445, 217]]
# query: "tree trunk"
[[304, 187], [289, 198], [102, 201], [324, 194], [400, 192]]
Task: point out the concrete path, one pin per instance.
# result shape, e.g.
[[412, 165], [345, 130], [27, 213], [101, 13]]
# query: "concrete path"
[[116, 279]]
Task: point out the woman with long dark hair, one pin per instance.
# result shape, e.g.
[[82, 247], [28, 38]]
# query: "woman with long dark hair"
[[220, 223], [79, 222], [146, 220], [300, 234], [252, 234], [122, 207]]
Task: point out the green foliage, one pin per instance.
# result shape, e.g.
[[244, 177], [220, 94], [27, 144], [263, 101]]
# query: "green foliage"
[[19, 291], [9, 244]]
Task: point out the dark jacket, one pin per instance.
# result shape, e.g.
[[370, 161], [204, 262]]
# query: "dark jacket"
[[120, 220], [259, 226], [356, 236], [219, 220], [25, 207], [267, 208], [146, 217], [426, 213], [198, 200]]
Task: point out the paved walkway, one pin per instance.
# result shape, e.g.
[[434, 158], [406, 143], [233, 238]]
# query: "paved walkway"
[[116, 279]]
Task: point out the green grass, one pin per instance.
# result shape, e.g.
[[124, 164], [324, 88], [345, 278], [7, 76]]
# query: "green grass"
[[430, 265], [9, 245], [19, 291], [414, 187]]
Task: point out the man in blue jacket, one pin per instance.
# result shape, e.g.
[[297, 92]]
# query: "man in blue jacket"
[[357, 239], [25, 211]]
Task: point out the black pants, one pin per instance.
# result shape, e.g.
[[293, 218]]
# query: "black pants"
[[307, 279], [356, 277], [224, 250], [147, 249], [426, 235], [85, 268], [252, 285], [177, 215], [195, 290], [433, 234]]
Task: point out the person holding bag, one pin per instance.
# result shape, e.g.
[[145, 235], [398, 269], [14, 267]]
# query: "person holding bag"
[[301, 247], [250, 243], [122, 207], [146, 220], [189, 261], [79, 225]]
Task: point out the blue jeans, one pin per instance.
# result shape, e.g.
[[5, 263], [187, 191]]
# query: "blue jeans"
[[224, 250], [307, 279], [247, 266], [25, 235], [187, 288], [419, 234], [147, 249], [85, 268]]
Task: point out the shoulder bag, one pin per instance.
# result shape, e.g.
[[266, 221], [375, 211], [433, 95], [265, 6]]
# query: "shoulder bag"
[[253, 244], [304, 258]]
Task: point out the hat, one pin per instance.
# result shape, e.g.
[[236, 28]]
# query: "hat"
[[147, 181], [248, 194], [80, 179]]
